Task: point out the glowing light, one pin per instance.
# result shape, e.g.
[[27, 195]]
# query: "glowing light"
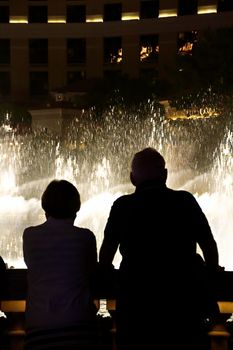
[[186, 48], [94, 18], [18, 19], [207, 9], [130, 16], [56, 19], [147, 51], [116, 58], [167, 13], [174, 114]]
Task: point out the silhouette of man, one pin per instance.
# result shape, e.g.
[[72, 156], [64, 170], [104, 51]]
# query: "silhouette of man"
[[157, 230]]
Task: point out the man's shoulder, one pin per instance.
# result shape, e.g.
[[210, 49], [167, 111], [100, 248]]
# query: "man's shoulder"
[[180, 193], [125, 198], [34, 228]]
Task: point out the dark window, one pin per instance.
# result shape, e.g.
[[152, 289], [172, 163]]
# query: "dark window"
[[38, 51], [5, 83], [225, 5], [76, 51], [112, 50], [38, 83], [76, 13], [185, 42], [5, 51], [75, 76], [149, 48], [112, 12], [149, 9], [4, 14], [37, 14], [187, 7]]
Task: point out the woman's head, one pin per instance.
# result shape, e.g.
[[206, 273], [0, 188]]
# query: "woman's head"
[[61, 200]]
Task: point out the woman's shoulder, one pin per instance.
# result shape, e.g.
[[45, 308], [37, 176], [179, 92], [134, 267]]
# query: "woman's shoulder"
[[83, 231]]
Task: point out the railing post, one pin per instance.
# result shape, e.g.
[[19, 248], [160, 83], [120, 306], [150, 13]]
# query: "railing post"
[[219, 337]]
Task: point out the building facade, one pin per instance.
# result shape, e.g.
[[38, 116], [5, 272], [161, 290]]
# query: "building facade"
[[55, 44]]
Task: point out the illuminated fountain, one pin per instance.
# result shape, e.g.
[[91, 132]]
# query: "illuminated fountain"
[[95, 155]]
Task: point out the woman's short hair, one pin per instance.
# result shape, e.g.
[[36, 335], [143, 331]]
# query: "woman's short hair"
[[61, 199]]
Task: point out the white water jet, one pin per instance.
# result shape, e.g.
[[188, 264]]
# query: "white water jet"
[[95, 155]]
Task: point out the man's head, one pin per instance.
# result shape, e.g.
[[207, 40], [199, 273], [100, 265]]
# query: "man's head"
[[148, 165]]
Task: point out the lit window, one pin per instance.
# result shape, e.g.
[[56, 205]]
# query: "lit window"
[[149, 48], [112, 50], [185, 42]]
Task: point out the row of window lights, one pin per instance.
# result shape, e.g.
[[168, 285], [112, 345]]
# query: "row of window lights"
[[147, 54], [127, 16]]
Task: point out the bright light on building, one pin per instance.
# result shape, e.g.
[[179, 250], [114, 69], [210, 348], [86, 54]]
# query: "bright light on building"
[[167, 13], [207, 9], [94, 18], [130, 16], [19, 19], [56, 19]]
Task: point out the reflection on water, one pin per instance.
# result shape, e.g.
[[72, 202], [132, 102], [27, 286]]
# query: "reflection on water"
[[95, 155]]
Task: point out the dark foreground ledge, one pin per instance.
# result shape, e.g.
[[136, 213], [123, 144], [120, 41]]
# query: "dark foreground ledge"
[[13, 305], [17, 286]]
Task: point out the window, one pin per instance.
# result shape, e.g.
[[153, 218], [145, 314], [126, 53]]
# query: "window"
[[37, 14], [38, 82], [185, 43], [38, 51], [5, 83], [149, 9], [76, 51], [112, 50], [149, 48], [187, 7], [4, 14], [75, 76], [225, 5], [76, 13], [5, 51], [112, 12]]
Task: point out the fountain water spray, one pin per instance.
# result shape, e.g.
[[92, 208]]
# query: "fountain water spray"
[[95, 154]]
